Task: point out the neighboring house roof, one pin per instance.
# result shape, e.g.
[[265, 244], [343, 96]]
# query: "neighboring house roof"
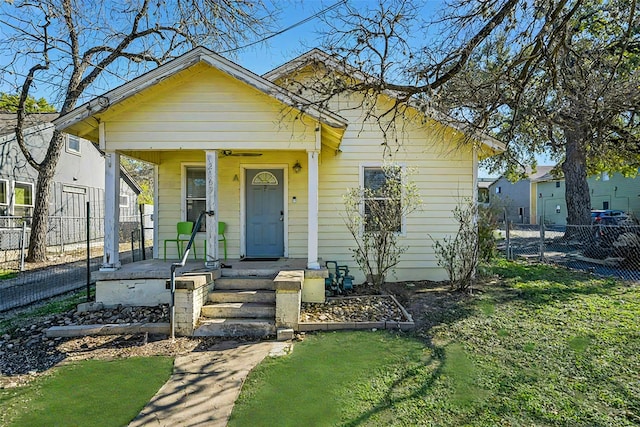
[[132, 183], [197, 55], [38, 122], [540, 173], [486, 182], [318, 56], [545, 173], [8, 121]]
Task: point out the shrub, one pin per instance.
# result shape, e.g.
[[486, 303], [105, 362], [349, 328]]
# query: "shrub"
[[374, 217], [459, 254]]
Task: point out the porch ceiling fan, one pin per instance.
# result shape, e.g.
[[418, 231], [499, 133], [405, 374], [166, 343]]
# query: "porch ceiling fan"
[[227, 153]]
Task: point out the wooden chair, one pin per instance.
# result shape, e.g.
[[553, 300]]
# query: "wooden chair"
[[184, 229]]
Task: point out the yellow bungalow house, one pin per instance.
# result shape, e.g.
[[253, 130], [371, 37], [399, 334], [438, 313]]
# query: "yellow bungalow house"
[[264, 160]]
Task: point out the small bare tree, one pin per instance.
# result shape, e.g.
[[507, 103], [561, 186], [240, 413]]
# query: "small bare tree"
[[459, 254], [374, 216]]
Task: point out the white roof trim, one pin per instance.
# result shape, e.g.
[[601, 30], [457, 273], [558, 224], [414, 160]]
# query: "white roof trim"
[[199, 54]]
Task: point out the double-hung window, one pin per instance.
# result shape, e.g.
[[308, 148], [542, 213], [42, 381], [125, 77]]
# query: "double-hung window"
[[22, 199], [196, 194], [382, 199]]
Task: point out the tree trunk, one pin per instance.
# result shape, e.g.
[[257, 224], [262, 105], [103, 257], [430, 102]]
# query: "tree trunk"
[[39, 225], [577, 194]]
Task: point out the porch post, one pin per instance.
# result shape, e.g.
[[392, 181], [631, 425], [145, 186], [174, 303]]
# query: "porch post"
[[111, 258], [312, 241], [212, 260]]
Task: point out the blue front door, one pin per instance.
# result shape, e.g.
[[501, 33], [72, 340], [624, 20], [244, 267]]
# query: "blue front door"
[[265, 213]]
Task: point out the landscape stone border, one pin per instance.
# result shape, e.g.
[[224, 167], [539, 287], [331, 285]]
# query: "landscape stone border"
[[69, 331]]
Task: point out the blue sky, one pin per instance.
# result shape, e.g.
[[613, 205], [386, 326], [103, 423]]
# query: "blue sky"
[[284, 47]]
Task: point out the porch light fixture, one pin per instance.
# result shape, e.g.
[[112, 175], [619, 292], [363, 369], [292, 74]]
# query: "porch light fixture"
[[297, 167]]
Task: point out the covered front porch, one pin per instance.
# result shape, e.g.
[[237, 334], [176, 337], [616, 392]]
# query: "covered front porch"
[[267, 201]]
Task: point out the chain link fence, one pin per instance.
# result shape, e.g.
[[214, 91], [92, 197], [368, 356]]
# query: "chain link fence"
[[74, 250], [606, 250]]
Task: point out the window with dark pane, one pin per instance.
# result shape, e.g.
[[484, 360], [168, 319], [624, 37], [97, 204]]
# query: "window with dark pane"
[[196, 187], [382, 201], [4, 198]]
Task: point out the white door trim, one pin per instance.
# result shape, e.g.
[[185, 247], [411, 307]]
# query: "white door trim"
[[243, 203]]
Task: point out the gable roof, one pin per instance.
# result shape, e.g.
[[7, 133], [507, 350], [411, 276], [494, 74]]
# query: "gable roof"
[[175, 66], [316, 55], [542, 173], [486, 182]]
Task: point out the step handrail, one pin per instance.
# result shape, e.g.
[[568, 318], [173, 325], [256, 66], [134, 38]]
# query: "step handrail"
[[174, 266]]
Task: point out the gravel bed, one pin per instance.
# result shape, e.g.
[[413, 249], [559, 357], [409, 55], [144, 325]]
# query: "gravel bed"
[[353, 309]]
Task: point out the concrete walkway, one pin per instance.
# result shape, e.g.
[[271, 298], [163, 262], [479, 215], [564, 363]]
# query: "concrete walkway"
[[204, 385]]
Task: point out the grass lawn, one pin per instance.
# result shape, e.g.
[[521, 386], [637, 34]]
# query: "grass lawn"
[[540, 346], [7, 274], [87, 393]]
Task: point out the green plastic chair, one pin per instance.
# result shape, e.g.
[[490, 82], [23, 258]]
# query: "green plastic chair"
[[222, 226], [184, 228]]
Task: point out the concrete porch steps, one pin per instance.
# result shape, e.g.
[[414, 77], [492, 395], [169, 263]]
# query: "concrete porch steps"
[[248, 283], [233, 295], [239, 306], [235, 327], [256, 310]]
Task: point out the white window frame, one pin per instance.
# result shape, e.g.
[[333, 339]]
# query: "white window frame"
[[378, 165], [183, 198], [28, 184], [126, 196], [70, 150]]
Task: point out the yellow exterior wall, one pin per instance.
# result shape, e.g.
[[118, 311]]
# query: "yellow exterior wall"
[[203, 108], [443, 174], [171, 202], [443, 171]]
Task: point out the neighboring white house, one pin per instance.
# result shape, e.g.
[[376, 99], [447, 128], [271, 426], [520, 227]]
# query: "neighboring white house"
[[259, 156]]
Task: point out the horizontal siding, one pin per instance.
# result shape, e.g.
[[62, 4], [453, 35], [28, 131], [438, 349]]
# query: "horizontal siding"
[[442, 172], [202, 107]]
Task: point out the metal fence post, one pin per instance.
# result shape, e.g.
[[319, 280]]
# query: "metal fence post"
[[61, 234], [88, 252], [23, 239], [541, 238], [141, 209], [507, 235], [133, 239]]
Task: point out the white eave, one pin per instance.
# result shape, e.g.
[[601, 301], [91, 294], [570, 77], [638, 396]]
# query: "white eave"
[[199, 54]]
